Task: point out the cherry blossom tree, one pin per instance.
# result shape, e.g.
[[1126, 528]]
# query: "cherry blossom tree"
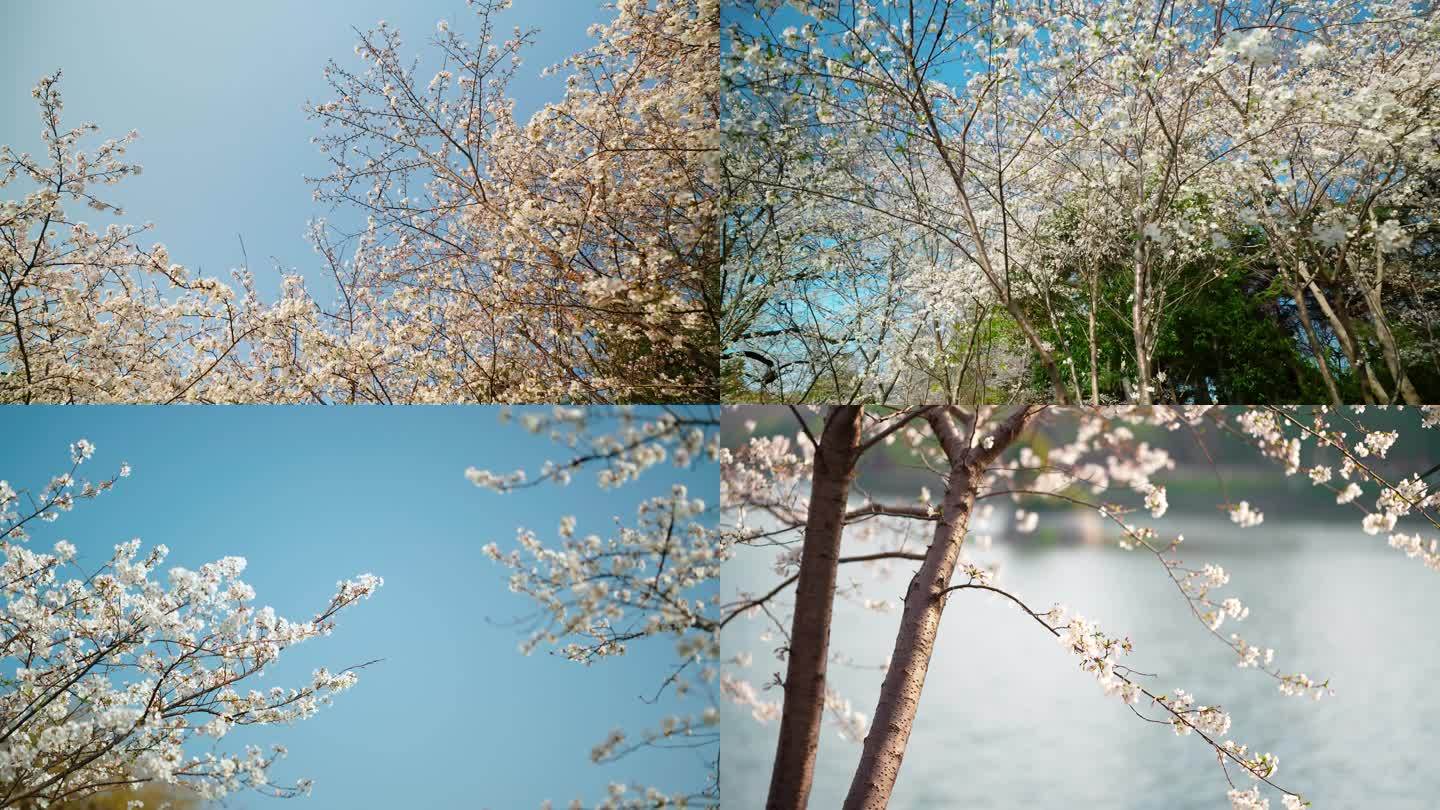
[[567, 257], [1341, 195], [97, 316], [652, 581], [1155, 134], [524, 260], [796, 498], [117, 678]]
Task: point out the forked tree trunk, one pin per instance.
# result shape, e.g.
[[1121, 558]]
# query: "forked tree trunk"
[[804, 706], [925, 599], [1388, 349]]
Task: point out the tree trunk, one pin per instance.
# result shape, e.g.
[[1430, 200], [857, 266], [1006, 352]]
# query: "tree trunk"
[[1094, 347], [900, 694], [1316, 348], [1052, 369], [1137, 318], [925, 599], [1377, 389], [804, 706], [1370, 387], [1388, 349]]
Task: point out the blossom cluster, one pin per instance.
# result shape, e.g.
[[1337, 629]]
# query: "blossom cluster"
[[1344, 449], [648, 579], [120, 671]]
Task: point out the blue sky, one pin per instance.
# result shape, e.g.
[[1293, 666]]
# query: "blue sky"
[[454, 716], [216, 91]]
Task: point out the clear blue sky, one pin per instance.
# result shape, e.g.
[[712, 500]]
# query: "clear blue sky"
[[216, 91], [454, 716]]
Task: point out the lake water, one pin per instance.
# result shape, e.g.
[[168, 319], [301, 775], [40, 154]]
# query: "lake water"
[[1008, 721]]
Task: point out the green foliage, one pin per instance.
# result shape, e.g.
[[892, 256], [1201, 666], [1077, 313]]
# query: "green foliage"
[[993, 352], [1229, 344]]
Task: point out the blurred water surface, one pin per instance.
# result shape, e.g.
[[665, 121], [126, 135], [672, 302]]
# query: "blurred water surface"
[[1008, 721]]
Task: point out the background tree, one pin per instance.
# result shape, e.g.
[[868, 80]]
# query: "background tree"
[[154, 797]]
